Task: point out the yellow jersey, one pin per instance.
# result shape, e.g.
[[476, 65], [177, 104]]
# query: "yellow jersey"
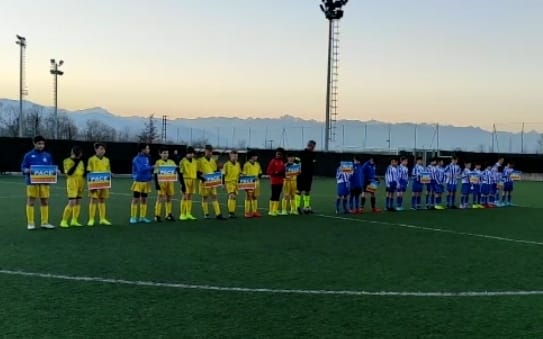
[[251, 169], [231, 171], [189, 168], [207, 166], [160, 162], [98, 164], [68, 163]]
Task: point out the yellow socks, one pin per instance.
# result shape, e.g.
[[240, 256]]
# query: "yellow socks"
[[92, 211], [293, 205], [298, 200], [168, 208], [76, 212], [134, 210], [307, 201], [158, 208], [102, 211], [44, 211], [205, 207], [68, 212], [231, 206], [284, 204], [248, 206], [217, 207], [188, 207], [254, 204], [182, 207], [143, 210], [30, 215]]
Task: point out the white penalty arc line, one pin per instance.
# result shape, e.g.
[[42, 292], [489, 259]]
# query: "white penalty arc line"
[[432, 229], [271, 290]]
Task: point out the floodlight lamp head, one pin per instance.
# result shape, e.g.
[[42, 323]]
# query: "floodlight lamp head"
[[21, 37], [61, 62], [52, 61]]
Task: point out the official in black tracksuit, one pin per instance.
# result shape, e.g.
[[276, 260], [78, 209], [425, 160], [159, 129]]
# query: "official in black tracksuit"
[[305, 179]]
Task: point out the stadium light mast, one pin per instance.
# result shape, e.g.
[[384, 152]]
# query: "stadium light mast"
[[21, 41], [56, 73], [333, 11]]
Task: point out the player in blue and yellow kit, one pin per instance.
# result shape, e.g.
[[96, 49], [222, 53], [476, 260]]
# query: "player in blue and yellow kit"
[[165, 190], [142, 174], [232, 171], [289, 188], [37, 191], [188, 173], [208, 165], [252, 168], [74, 169], [98, 163]]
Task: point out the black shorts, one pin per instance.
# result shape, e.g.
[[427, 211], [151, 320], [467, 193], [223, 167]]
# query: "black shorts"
[[303, 183], [355, 192], [276, 192], [138, 195]]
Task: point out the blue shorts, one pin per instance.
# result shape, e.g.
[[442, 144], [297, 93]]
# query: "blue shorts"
[[431, 187], [343, 189], [508, 186], [438, 188], [402, 187], [476, 189], [451, 188], [466, 188], [417, 187], [392, 187], [485, 189], [493, 188]]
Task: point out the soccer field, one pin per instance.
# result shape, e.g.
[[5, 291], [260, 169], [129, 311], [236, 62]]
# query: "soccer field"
[[425, 274]]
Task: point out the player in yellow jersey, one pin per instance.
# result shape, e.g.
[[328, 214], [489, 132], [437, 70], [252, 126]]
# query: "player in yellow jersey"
[[208, 165], [232, 171], [188, 173], [98, 163], [74, 169], [165, 190], [289, 187], [252, 168]]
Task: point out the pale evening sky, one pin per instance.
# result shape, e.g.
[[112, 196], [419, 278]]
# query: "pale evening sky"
[[463, 62]]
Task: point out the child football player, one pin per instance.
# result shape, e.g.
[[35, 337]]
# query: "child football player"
[[439, 175], [403, 179], [508, 184], [74, 169], [232, 172], [486, 184], [357, 179], [188, 173], [475, 180], [343, 189], [165, 190], [208, 165], [452, 173], [252, 168], [37, 191], [391, 182], [276, 171], [417, 186], [368, 173], [142, 174], [98, 163], [289, 188], [466, 185]]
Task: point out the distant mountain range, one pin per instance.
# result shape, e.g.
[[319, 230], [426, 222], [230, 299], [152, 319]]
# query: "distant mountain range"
[[291, 132]]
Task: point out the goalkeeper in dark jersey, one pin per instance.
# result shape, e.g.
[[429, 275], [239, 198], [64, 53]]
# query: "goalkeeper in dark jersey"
[[305, 179]]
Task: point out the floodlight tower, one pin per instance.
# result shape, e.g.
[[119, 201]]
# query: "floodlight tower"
[[56, 73], [21, 41], [333, 11]]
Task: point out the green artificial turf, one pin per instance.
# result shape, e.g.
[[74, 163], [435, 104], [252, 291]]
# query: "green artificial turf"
[[423, 251]]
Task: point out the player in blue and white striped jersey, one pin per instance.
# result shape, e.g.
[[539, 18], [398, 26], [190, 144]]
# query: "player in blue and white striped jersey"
[[417, 186], [439, 177], [466, 185], [403, 180], [430, 188], [508, 184], [487, 179], [475, 180], [391, 182], [343, 180], [452, 174], [494, 195]]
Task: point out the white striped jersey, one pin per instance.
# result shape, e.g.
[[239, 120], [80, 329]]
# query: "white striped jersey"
[[342, 177], [452, 173], [466, 173], [417, 170], [479, 173], [391, 175], [507, 171], [403, 173], [496, 175], [432, 169], [487, 177], [440, 174]]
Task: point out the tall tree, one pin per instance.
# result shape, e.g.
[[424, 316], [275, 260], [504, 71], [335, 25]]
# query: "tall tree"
[[149, 134]]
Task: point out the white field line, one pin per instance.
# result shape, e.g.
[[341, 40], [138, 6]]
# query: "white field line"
[[271, 290], [432, 229]]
